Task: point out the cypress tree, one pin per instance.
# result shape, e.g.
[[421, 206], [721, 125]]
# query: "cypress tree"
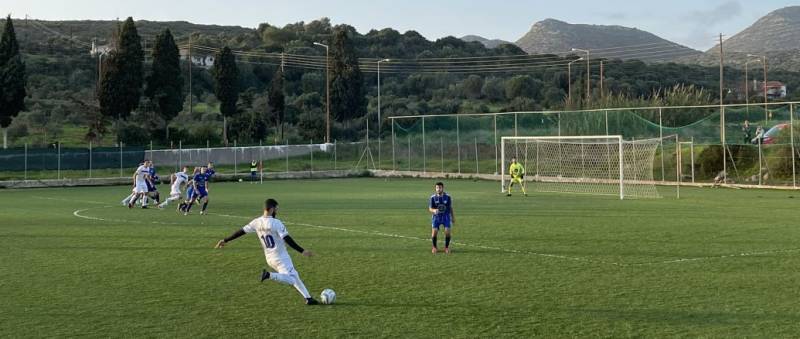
[[347, 94], [226, 86], [12, 79], [277, 102], [121, 78], [164, 85]]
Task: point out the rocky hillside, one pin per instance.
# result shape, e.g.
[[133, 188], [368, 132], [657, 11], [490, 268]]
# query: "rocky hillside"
[[558, 37], [776, 31]]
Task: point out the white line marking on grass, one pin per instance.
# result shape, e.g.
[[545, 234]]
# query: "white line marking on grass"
[[71, 200], [78, 214], [743, 254], [391, 235]]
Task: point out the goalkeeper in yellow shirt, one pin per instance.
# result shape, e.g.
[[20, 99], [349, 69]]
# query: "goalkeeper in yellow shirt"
[[517, 173]]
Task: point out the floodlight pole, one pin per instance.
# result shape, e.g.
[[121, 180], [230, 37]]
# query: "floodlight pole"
[[588, 74], [569, 79], [380, 122], [763, 59], [327, 92]]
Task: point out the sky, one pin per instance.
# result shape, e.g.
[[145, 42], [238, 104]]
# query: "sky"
[[689, 22]]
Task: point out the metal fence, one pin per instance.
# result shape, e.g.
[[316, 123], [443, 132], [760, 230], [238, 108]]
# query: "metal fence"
[[55, 162], [706, 144]]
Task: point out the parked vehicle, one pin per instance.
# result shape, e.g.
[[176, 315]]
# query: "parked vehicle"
[[771, 136]]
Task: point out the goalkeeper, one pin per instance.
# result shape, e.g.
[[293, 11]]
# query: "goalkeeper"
[[517, 176]]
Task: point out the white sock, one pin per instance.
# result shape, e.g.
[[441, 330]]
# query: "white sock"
[[166, 202], [291, 279], [128, 199], [144, 200]]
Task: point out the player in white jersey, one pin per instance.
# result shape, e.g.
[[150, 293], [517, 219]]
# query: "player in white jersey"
[[133, 192], [176, 181], [140, 177], [273, 237]]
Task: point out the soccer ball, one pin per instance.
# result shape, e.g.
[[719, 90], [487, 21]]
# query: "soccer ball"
[[328, 296], [240, 179]]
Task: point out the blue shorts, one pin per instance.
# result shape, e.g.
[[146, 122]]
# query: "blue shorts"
[[439, 222], [189, 192], [151, 187], [201, 192]]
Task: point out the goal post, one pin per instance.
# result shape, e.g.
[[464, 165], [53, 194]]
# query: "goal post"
[[597, 165]]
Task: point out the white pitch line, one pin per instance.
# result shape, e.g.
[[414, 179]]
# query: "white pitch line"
[[71, 200], [78, 214], [743, 254]]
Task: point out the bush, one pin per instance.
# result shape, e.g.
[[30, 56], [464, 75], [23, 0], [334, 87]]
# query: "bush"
[[133, 134], [17, 129], [781, 165], [709, 161]]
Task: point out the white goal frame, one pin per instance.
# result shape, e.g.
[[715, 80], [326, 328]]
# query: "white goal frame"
[[612, 139]]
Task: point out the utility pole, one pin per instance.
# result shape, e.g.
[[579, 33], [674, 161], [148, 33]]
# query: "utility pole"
[[766, 111], [327, 92], [191, 104], [722, 115], [721, 61], [763, 60], [569, 79]]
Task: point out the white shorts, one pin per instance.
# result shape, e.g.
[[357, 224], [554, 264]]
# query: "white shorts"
[[141, 187], [282, 266]]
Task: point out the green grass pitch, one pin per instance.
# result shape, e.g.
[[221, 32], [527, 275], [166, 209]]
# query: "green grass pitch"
[[716, 263]]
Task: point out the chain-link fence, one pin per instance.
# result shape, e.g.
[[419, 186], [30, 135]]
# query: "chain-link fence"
[[734, 144], [56, 162]]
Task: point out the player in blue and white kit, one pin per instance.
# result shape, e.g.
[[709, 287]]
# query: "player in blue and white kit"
[[130, 197], [152, 189], [210, 172], [176, 181], [200, 191], [140, 178], [441, 208]]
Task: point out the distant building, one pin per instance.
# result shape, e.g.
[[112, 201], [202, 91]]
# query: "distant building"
[[775, 89], [100, 49], [205, 61]]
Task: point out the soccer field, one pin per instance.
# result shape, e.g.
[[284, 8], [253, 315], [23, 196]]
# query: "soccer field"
[[716, 263]]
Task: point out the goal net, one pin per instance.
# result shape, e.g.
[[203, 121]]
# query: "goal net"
[[598, 165]]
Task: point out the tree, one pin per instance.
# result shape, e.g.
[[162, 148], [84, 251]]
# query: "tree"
[[12, 79], [347, 94], [473, 86], [277, 102], [226, 87], [122, 75], [522, 86], [165, 84]]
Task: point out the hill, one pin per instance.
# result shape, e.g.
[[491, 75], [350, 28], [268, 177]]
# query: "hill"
[[489, 43], [776, 31], [558, 37]]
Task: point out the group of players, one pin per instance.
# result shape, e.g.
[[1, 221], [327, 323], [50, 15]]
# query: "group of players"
[[271, 232], [145, 181]]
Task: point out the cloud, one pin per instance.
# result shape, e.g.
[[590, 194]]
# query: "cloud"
[[702, 23], [723, 12], [616, 16]]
